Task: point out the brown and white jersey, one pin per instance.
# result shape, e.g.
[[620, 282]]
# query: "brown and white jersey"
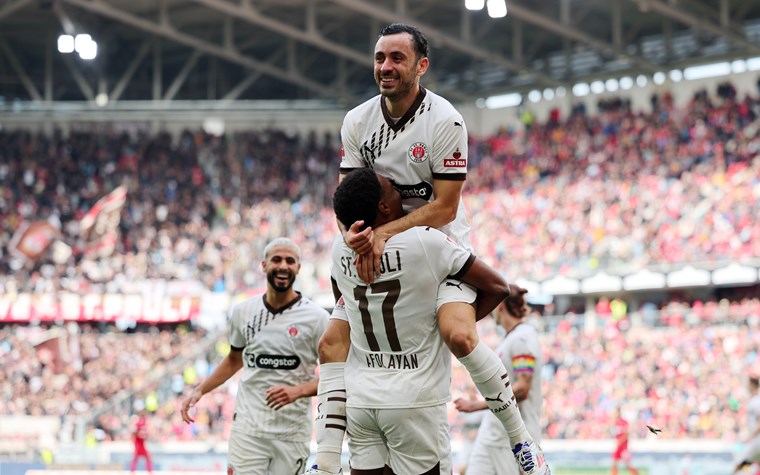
[[429, 142], [398, 358], [279, 348]]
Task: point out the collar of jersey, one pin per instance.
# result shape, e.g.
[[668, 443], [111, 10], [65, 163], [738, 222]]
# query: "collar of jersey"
[[396, 126]]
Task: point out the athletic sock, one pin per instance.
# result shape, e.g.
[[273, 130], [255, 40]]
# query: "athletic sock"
[[331, 416], [491, 378]]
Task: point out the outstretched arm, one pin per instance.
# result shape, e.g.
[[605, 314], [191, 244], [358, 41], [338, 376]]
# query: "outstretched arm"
[[492, 288], [228, 367]]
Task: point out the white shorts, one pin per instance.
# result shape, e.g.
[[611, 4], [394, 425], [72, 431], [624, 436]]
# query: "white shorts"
[[410, 441], [248, 455], [452, 290], [487, 460]]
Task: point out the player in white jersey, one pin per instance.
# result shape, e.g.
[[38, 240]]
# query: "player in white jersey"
[[521, 353], [274, 338], [751, 453], [419, 141], [398, 372]]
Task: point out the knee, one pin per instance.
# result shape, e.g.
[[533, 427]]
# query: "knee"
[[461, 341]]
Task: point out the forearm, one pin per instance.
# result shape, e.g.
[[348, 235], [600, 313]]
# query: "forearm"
[[307, 389], [434, 214], [226, 369]]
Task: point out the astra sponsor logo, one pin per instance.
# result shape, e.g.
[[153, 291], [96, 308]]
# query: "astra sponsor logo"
[[422, 190], [278, 361], [456, 162]]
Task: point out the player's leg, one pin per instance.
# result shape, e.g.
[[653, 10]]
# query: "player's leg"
[[456, 322], [288, 458], [418, 440], [480, 460], [330, 424], [247, 455], [148, 461], [369, 453]]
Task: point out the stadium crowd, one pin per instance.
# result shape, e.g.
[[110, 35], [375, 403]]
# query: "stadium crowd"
[[584, 193], [620, 189]]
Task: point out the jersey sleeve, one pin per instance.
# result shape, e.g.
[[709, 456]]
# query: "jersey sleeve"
[[449, 154], [235, 334], [350, 155], [339, 310], [523, 355], [444, 255]]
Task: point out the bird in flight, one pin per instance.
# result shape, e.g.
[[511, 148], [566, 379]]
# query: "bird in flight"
[[653, 430]]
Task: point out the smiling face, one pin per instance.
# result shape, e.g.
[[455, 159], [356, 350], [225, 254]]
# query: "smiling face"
[[397, 67], [281, 267]]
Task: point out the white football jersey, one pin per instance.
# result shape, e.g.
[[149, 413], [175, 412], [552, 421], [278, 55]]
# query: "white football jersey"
[[753, 415], [428, 142], [279, 348], [520, 351], [398, 358]]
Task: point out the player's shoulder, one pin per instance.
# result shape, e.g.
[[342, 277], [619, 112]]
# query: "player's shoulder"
[[360, 112], [312, 306], [442, 108], [247, 305]]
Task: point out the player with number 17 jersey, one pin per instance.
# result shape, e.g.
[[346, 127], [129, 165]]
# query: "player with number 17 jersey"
[[429, 142], [397, 357]]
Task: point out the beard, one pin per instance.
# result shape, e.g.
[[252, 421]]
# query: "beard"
[[278, 287], [402, 88]]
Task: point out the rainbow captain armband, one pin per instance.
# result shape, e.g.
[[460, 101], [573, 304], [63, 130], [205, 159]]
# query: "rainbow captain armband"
[[524, 363]]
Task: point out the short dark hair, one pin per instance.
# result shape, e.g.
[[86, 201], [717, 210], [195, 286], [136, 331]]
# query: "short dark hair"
[[421, 47], [356, 197], [754, 381]]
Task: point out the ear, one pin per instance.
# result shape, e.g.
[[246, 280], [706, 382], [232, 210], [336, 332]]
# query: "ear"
[[422, 66], [264, 266], [383, 208]]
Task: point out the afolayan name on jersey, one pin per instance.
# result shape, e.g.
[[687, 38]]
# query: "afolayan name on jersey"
[[392, 361], [389, 262]]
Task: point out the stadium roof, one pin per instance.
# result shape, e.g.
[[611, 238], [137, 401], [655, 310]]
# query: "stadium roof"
[[321, 49]]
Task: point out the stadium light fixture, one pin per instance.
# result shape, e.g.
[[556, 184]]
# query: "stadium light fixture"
[[89, 51], [474, 4], [561, 91], [549, 94], [739, 66], [641, 80], [676, 75], [504, 100], [81, 41], [612, 85], [597, 87], [626, 83], [534, 96], [65, 44], [707, 71], [496, 8], [658, 78], [753, 64], [581, 89]]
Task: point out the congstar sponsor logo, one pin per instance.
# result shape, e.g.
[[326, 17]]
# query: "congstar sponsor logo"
[[277, 361], [422, 190]]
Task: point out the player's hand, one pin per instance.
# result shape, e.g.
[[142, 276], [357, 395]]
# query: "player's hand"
[[360, 241], [280, 396], [368, 265], [516, 291], [466, 405], [188, 404]]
